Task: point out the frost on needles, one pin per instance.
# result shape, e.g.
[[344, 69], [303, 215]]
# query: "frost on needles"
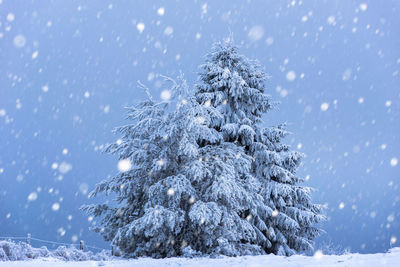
[[206, 177]]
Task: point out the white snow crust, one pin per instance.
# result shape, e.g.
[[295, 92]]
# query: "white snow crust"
[[391, 259]]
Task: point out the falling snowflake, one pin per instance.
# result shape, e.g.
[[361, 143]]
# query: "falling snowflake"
[[35, 54], [55, 206], [161, 11], [168, 30], [171, 192], [324, 106], [269, 41], [124, 165], [10, 17], [19, 41], [74, 238], [331, 20], [45, 88], [318, 254], [32, 196], [393, 162], [256, 33], [166, 95], [64, 167], [363, 6], [291, 76], [140, 27], [160, 162], [83, 188], [346, 75]]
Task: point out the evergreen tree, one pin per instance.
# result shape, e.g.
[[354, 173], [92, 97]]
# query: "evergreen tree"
[[178, 196], [235, 86], [153, 196], [205, 177]]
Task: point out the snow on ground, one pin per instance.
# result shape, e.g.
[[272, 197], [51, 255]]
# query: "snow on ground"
[[392, 258]]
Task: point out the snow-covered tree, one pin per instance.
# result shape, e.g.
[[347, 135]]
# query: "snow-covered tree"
[[153, 194], [235, 86], [183, 188], [202, 176]]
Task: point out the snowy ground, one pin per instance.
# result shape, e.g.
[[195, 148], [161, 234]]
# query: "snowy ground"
[[392, 258]]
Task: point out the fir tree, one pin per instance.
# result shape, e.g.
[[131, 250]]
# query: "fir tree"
[[206, 178], [184, 187], [235, 86]]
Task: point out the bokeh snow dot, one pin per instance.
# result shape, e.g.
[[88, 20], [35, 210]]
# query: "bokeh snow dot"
[[269, 41], [35, 54], [166, 95], [19, 41], [256, 33], [83, 188], [331, 20], [346, 75], [171, 191], [318, 254], [161, 11], [394, 162], [160, 162], [74, 238], [32, 196], [275, 213], [64, 167], [363, 6], [124, 165], [55, 206], [168, 30], [45, 88], [61, 231], [140, 27], [10, 17], [291, 76], [324, 106]]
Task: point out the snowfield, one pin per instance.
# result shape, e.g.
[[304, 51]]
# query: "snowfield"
[[392, 258]]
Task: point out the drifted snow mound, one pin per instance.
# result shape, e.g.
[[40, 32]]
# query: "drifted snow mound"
[[11, 251]]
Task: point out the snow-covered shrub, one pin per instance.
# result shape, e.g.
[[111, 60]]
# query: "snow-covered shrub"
[[11, 251], [329, 248], [74, 254]]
